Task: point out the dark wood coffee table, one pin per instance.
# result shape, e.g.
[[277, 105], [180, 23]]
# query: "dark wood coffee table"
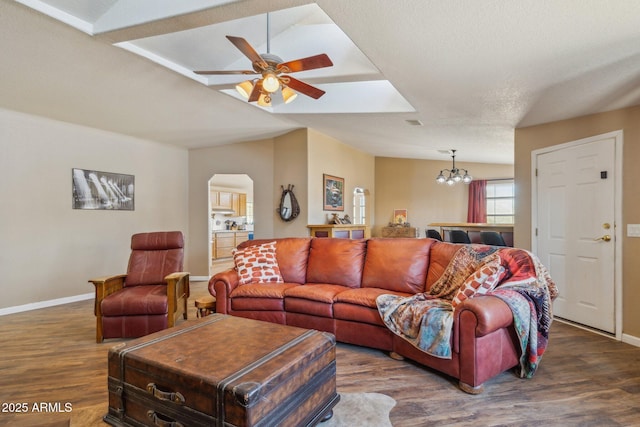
[[223, 370]]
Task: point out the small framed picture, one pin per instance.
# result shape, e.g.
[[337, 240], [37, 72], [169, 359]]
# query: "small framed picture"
[[333, 193], [399, 216]]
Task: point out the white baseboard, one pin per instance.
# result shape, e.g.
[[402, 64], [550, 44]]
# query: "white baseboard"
[[630, 339], [198, 278], [44, 304]]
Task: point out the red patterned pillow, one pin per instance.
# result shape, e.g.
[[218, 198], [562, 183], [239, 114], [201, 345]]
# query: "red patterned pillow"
[[483, 280], [257, 264]]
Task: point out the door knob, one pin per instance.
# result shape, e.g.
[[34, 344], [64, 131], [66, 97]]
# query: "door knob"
[[606, 238]]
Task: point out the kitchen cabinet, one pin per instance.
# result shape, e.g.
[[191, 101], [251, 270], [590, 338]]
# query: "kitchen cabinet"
[[224, 199], [237, 202], [224, 242], [242, 204]]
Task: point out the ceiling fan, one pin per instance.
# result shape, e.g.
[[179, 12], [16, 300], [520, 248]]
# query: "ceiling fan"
[[274, 74]]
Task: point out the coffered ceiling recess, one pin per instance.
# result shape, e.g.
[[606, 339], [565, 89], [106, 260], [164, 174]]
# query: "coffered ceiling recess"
[[409, 77]]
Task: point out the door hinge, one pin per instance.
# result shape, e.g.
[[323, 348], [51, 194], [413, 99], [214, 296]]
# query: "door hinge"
[[536, 171]]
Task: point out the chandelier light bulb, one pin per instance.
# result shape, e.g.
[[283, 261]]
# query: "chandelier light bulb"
[[270, 83], [455, 174]]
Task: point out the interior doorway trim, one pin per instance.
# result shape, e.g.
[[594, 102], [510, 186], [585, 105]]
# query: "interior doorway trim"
[[618, 228]]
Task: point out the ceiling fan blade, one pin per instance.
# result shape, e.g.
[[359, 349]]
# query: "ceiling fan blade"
[[247, 50], [255, 93], [303, 87], [309, 63], [205, 73]]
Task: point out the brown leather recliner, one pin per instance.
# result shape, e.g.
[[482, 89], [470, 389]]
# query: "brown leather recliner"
[[152, 294]]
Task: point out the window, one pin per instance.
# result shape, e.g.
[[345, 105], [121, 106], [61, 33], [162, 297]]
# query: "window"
[[359, 203], [500, 202]]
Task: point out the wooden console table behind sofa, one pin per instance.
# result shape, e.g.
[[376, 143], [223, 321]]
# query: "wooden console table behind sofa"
[[345, 231]]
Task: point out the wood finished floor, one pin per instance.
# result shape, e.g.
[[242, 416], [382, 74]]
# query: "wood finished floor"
[[50, 356]]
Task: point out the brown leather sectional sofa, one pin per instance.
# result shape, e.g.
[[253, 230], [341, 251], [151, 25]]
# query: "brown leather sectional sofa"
[[332, 285]]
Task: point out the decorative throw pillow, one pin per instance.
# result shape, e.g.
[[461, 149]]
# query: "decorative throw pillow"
[[257, 264], [482, 281]]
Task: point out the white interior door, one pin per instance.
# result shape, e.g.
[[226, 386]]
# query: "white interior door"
[[576, 228]]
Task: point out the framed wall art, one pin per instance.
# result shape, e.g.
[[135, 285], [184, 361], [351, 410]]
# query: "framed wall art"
[[333, 193], [97, 190], [399, 216]]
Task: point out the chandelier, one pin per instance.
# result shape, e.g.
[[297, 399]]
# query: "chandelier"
[[455, 175]]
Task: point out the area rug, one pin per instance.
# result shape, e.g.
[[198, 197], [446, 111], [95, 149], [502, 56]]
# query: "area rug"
[[361, 409]]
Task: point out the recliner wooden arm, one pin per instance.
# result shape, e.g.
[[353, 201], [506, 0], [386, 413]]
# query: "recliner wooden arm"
[[177, 290], [105, 286]]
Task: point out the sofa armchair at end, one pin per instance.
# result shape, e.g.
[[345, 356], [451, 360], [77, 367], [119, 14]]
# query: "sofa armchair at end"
[[332, 285], [150, 296]]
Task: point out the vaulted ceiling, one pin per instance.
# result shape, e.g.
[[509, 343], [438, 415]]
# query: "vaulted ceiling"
[[410, 78]]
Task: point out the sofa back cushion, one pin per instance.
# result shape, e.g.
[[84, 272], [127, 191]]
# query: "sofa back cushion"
[[439, 258], [336, 261], [292, 254], [397, 264]]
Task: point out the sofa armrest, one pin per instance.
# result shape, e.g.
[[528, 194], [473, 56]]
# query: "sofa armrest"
[[491, 313], [480, 316], [220, 286]]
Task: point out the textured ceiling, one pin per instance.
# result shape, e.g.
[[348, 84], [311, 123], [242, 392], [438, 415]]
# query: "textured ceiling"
[[470, 72]]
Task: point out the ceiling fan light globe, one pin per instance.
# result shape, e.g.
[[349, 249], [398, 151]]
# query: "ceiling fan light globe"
[[264, 100], [288, 95], [270, 83], [245, 88], [450, 181], [467, 178], [440, 179]]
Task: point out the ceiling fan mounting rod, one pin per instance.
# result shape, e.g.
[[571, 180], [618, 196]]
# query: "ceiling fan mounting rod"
[[268, 34]]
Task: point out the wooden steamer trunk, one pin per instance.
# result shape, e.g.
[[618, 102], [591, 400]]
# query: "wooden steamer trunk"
[[223, 371]]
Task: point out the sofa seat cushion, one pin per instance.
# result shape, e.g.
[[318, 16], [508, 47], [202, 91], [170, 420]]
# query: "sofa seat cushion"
[[314, 300], [260, 296], [357, 313], [257, 304], [262, 290], [136, 300], [359, 305], [365, 296], [316, 292]]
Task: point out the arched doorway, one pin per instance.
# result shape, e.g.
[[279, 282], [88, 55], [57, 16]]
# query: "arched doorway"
[[230, 217]]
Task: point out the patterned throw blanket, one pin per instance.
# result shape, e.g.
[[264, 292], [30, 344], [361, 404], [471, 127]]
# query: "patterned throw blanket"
[[513, 275]]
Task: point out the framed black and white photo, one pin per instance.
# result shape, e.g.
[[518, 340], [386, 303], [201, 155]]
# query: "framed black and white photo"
[[102, 190]]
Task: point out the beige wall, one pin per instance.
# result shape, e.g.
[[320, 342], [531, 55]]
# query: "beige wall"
[[536, 137], [252, 158], [411, 184], [48, 250], [295, 158], [290, 167], [329, 156]]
